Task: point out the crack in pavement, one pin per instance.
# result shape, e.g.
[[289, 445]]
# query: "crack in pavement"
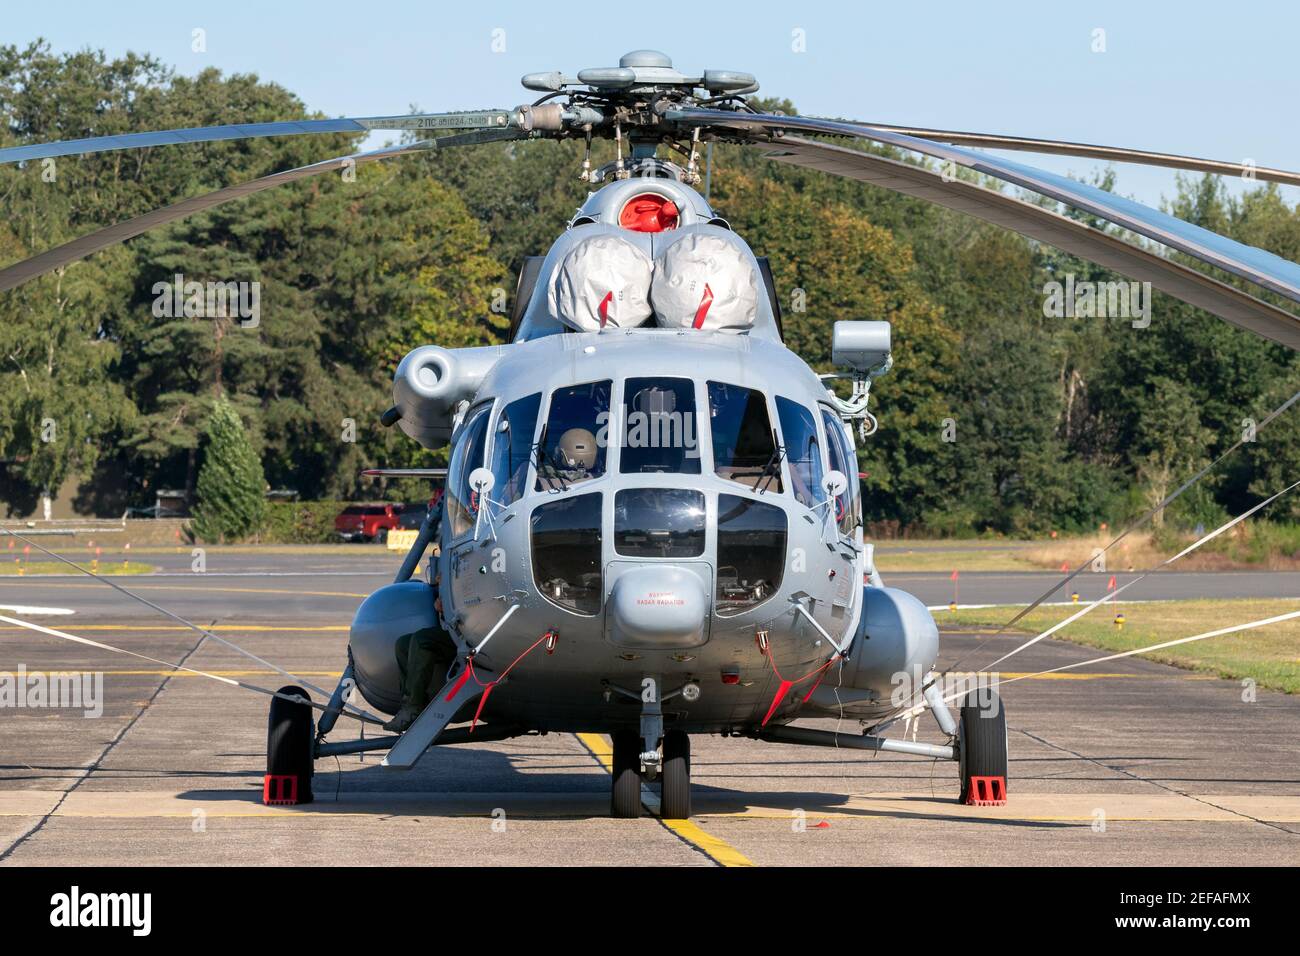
[[98, 761]]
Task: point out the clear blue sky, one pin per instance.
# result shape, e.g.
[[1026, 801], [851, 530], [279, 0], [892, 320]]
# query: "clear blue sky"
[[1194, 77]]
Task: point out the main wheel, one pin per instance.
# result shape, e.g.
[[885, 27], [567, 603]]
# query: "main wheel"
[[675, 803], [288, 750], [982, 748], [625, 801]]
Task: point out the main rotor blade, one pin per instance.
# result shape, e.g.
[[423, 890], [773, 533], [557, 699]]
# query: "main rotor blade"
[[1044, 225], [1255, 265], [483, 119], [1118, 154], [28, 269]]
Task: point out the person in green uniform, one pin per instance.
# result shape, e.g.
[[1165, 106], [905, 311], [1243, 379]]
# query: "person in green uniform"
[[423, 658]]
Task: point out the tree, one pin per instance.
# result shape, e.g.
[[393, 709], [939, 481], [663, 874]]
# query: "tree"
[[231, 489]]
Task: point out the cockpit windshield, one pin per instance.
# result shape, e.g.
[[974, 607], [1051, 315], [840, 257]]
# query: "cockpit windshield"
[[512, 447], [802, 450], [462, 501], [568, 451], [744, 445], [659, 427]]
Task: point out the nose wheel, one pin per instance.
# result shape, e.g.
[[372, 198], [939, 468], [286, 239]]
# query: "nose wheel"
[[675, 804], [625, 801], [674, 772]]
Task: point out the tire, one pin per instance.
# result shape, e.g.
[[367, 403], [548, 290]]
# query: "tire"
[[982, 739], [382, 537], [625, 800], [675, 803], [289, 748]]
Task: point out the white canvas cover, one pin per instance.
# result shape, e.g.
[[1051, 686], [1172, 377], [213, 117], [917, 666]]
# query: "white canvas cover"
[[705, 281], [602, 282]]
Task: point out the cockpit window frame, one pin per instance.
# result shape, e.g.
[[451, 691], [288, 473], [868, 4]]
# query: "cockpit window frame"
[[778, 482], [610, 449], [495, 435], [820, 459], [486, 410]]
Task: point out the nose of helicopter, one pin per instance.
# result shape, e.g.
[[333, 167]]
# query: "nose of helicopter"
[[658, 606]]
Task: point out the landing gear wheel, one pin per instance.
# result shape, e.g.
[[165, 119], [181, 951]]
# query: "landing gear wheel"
[[675, 804], [982, 749], [625, 801], [289, 747]]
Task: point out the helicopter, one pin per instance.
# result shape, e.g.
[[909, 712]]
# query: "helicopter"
[[652, 519]]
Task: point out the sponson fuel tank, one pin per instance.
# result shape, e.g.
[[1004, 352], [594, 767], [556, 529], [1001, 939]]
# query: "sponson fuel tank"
[[382, 618], [897, 641]]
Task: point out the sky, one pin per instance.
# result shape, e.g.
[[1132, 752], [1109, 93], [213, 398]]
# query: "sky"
[[1198, 78]]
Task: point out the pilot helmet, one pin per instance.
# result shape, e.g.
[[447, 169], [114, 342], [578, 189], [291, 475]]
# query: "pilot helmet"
[[576, 450]]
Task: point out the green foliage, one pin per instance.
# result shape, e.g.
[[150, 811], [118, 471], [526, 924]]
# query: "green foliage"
[[300, 522], [231, 488], [1059, 424]]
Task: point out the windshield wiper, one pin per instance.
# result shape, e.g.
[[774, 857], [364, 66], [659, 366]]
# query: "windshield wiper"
[[773, 467]]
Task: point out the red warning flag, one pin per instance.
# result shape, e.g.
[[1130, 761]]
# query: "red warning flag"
[[705, 301], [603, 308]]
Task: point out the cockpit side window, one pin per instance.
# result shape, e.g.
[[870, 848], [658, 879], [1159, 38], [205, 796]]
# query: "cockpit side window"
[[659, 427], [744, 445], [848, 506], [802, 450], [512, 449], [568, 451], [462, 506]]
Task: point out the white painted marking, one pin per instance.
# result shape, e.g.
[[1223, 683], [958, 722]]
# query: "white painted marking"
[[33, 611]]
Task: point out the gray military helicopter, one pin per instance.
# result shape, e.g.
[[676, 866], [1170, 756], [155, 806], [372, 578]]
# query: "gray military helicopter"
[[652, 519]]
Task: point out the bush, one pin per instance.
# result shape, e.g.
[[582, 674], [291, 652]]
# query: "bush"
[[231, 488], [300, 522]]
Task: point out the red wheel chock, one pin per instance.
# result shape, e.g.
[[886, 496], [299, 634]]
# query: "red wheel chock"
[[987, 792], [280, 789]]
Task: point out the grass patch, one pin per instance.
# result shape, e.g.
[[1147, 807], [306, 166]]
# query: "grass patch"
[[1270, 655], [34, 568], [937, 559]]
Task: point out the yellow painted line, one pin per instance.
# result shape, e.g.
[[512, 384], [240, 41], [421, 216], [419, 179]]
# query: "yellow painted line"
[[717, 849], [600, 748]]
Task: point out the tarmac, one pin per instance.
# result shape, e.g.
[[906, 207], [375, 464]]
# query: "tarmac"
[[1127, 763]]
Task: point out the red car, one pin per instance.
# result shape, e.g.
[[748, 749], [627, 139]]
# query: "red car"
[[367, 522], [373, 522]]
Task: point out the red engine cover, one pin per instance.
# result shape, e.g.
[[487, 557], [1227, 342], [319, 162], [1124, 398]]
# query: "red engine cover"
[[649, 212]]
